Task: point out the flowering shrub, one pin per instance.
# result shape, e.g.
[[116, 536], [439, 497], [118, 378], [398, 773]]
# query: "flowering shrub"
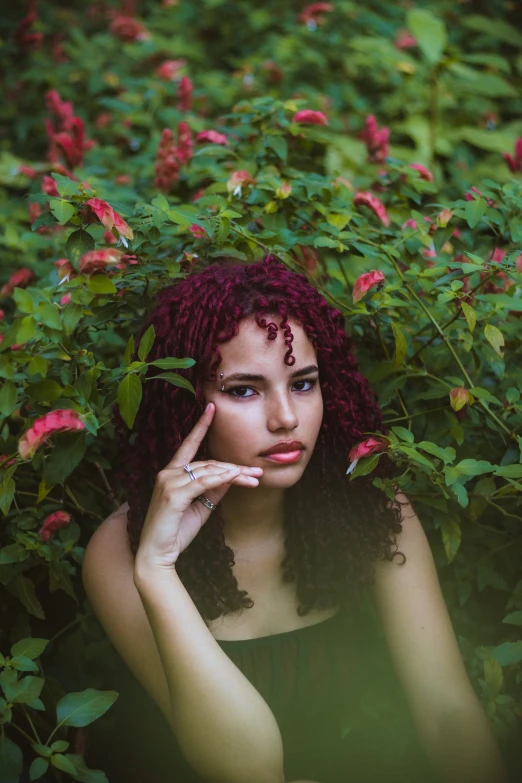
[[378, 151]]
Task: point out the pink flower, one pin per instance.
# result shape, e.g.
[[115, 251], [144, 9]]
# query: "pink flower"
[[376, 140], [126, 28], [213, 136], [99, 260], [371, 201], [109, 218], [169, 69], [423, 171], [365, 282], [66, 298], [237, 180], [45, 426], [497, 255], [185, 90], [27, 170], [411, 223], [515, 164], [185, 144], [284, 191], [405, 40], [49, 186], [470, 197], [312, 14], [66, 133], [309, 117], [23, 38], [53, 522], [518, 264], [198, 232], [365, 449], [109, 238], [19, 279], [444, 217]]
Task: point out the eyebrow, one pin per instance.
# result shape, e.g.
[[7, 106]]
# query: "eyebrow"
[[243, 376]]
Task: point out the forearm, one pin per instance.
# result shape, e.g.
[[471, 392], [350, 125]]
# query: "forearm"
[[464, 749], [224, 727]]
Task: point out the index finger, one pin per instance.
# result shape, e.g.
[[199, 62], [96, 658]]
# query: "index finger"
[[188, 449]]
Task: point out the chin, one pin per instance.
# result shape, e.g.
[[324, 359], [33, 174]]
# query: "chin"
[[282, 477]]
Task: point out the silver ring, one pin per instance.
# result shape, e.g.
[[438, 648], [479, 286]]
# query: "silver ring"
[[187, 468], [206, 502]]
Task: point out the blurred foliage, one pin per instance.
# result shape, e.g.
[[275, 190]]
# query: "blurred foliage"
[[377, 148]]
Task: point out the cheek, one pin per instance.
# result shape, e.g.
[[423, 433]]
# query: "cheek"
[[229, 434]]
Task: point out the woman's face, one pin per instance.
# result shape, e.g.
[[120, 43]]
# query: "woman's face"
[[270, 404]]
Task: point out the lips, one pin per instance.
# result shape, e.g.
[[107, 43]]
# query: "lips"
[[283, 447]]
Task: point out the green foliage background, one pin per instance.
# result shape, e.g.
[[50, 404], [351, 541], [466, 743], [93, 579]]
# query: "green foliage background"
[[446, 317]]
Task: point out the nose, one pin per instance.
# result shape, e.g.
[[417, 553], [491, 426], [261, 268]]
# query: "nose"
[[281, 413]]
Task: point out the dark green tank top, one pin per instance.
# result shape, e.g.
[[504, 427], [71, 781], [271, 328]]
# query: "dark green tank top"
[[316, 680]]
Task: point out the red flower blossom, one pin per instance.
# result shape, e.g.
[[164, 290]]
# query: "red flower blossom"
[[99, 260], [423, 171], [470, 197], [54, 421], [365, 283], [171, 156], [185, 90], [365, 449], [27, 170], [198, 232], [405, 40], [371, 201], [22, 37], [185, 143], [460, 396], [213, 136], [53, 522], [237, 180], [19, 279], [49, 186], [376, 140], [128, 29], [109, 218], [67, 135], [515, 164], [309, 117], [168, 70], [312, 15]]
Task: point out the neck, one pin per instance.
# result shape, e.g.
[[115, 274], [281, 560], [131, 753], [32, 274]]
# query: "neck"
[[252, 517]]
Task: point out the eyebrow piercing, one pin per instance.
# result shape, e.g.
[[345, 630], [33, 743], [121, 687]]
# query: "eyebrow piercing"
[[221, 374]]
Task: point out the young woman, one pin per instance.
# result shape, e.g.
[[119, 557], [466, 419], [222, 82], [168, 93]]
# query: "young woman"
[[229, 582]]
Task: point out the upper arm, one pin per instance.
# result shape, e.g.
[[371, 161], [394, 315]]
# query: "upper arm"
[[108, 578], [418, 629]]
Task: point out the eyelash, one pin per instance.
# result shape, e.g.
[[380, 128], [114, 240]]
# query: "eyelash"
[[312, 381]]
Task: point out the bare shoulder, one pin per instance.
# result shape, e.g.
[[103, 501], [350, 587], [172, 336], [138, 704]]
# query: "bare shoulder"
[[108, 579]]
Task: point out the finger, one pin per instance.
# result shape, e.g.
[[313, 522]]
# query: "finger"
[[192, 442], [209, 481], [249, 469], [242, 479]]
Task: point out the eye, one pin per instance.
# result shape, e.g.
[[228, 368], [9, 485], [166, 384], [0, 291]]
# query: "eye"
[[240, 389], [311, 381]]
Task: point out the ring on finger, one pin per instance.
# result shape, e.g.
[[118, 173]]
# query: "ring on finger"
[[188, 470]]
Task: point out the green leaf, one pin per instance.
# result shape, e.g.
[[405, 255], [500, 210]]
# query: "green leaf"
[[7, 398], [62, 763], [515, 618], [24, 690], [31, 647], [400, 346], [175, 379], [404, 434], [49, 315], [62, 210], [365, 466], [101, 284], [83, 707], [509, 471], [446, 455], [473, 467], [470, 316], [474, 211], [416, 457], [170, 363], [495, 337], [38, 768], [509, 653], [451, 537], [44, 391], [68, 452], [26, 330], [429, 32], [146, 343], [279, 145], [24, 300], [65, 185], [160, 202], [129, 396], [11, 760], [25, 590], [13, 553], [79, 243]]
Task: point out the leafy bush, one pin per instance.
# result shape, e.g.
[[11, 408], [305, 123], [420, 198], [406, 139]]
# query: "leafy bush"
[[376, 149]]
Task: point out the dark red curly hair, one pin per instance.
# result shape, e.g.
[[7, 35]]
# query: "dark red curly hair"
[[334, 528]]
